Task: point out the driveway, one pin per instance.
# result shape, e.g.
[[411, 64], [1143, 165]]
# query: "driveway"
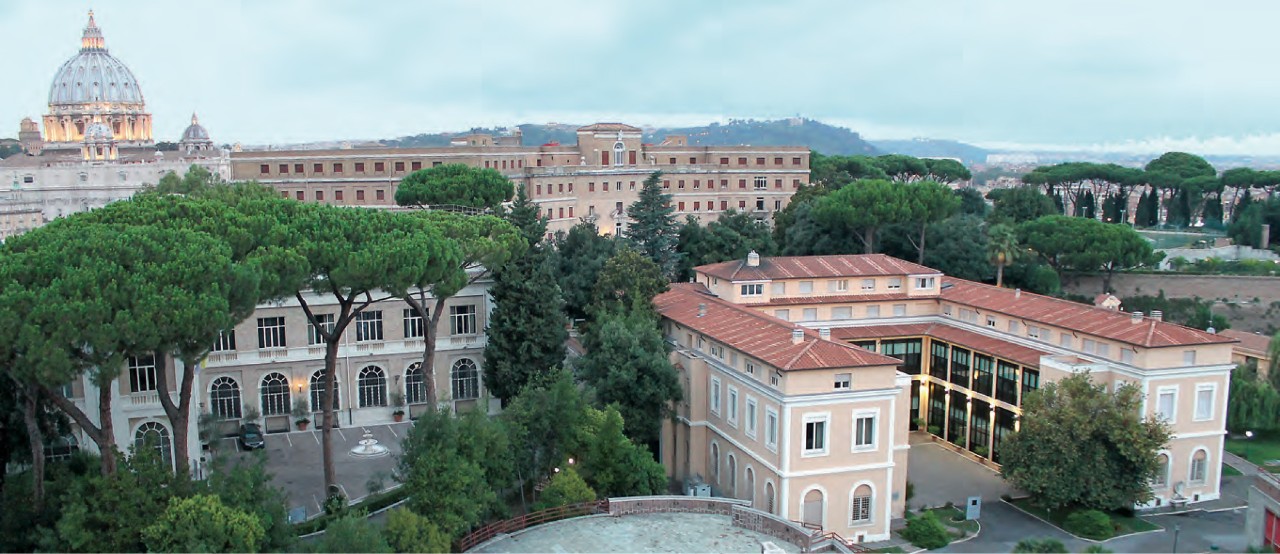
[[940, 475], [295, 462]]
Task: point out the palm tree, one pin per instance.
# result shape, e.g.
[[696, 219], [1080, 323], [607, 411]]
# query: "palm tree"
[[1002, 248]]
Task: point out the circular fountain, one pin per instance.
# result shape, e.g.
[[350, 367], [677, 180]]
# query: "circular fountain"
[[369, 447]]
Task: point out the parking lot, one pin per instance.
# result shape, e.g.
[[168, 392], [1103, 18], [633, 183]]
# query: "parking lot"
[[294, 460]]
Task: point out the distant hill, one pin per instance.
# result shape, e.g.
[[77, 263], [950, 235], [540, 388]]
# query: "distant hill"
[[783, 132], [933, 148]]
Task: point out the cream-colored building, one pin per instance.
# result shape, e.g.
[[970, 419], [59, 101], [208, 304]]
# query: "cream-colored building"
[[970, 353], [596, 179]]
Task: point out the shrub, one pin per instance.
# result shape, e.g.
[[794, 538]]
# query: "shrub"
[[1090, 524], [925, 531], [1095, 549], [202, 523], [410, 532], [566, 487], [1036, 546], [911, 490], [352, 533]]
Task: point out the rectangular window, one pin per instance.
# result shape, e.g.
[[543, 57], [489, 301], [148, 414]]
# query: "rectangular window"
[[226, 341], [751, 368], [795, 160], [864, 431], [715, 396], [756, 289], [337, 195], [761, 182], [297, 168], [263, 169], [1126, 355], [1204, 402], [759, 161], [960, 366], [399, 166], [771, 429], [838, 285], [337, 168], [733, 406], [1030, 382], [413, 324], [326, 322], [843, 381], [784, 315], [1064, 340], [924, 282], [381, 194], [991, 322], [742, 161], [1188, 357], [982, 374], [868, 285], [806, 287], [369, 326], [271, 332], [842, 312], [359, 167], [895, 283], [142, 374], [1013, 327], [360, 195], [815, 436], [462, 320], [1167, 403], [1006, 382], [809, 314], [317, 168], [416, 166], [751, 417], [778, 289], [320, 196], [777, 161], [379, 166], [301, 195]]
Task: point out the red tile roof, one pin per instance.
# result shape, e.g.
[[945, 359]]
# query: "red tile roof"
[[1109, 324], [760, 335], [794, 267], [1252, 343], [793, 300], [941, 331]]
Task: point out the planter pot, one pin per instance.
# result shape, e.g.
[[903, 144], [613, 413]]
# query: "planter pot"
[[398, 417], [302, 425]]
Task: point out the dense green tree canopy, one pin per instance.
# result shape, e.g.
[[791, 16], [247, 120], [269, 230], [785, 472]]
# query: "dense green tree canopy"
[[628, 282], [862, 208], [201, 523], [580, 256], [1020, 204], [653, 229], [1074, 244], [454, 185], [729, 237], [526, 335], [626, 363]]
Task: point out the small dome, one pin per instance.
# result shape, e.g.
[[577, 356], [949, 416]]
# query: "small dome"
[[195, 132], [98, 132], [93, 75]]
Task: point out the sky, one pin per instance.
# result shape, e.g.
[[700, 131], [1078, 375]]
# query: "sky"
[[1121, 76]]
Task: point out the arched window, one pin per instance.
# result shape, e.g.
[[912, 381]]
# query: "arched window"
[[275, 395], [860, 506], [751, 487], [812, 507], [224, 396], [733, 476], [715, 463], [466, 380], [619, 150], [156, 436], [373, 387], [317, 392], [768, 497], [1199, 466], [1162, 472], [415, 384]]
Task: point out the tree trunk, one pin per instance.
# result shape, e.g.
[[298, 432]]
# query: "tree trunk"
[[107, 443], [101, 437], [869, 240], [36, 440], [326, 420], [999, 274], [430, 323], [920, 247], [179, 415]]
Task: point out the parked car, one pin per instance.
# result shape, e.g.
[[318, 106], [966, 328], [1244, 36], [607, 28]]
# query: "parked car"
[[251, 436]]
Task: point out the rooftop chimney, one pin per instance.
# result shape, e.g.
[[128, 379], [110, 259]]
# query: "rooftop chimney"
[[1136, 317], [753, 259], [824, 333], [797, 335], [702, 310], [1157, 315], [1017, 293]]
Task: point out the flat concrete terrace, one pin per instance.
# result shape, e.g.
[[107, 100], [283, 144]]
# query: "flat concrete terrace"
[[660, 532]]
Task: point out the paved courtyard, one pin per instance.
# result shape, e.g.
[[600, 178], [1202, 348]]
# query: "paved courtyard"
[[295, 462], [940, 475], [638, 533]]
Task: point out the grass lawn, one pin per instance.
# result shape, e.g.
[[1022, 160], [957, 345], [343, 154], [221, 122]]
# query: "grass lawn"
[[1125, 525], [1264, 446], [955, 518], [1228, 471]]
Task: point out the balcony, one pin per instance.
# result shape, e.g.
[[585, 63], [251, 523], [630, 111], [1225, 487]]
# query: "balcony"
[[269, 353]]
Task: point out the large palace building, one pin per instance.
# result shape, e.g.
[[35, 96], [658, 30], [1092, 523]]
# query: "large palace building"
[[595, 180], [793, 401]]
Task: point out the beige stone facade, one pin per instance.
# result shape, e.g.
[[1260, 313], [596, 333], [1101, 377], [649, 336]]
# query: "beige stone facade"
[[595, 179]]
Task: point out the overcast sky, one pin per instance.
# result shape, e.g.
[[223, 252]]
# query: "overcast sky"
[[1196, 75]]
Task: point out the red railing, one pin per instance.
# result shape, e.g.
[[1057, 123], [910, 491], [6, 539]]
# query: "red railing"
[[529, 520]]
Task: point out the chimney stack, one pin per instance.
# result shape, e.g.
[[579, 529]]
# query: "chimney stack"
[[702, 310], [824, 333], [1136, 317], [797, 335], [1265, 243], [753, 259], [1157, 315]]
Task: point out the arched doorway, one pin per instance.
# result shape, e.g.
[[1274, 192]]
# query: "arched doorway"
[[812, 508], [751, 487], [768, 498], [733, 476]]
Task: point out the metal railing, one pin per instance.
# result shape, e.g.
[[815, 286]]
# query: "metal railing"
[[519, 523]]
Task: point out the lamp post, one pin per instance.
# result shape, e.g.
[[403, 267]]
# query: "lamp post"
[[1248, 437], [1176, 528]]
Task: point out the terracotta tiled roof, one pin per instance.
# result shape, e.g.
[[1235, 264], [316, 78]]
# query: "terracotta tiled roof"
[[759, 335], [1251, 343], [941, 331], [793, 300], [794, 267], [1109, 324], [609, 127]]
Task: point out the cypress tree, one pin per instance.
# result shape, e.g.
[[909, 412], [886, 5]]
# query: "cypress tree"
[[654, 230]]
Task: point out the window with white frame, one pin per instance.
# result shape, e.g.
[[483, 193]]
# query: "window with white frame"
[[751, 368], [771, 428], [843, 381], [842, 312], [326, 323], [715, 396], [413, 324], [968, 315], [809, 314], [751, 417], [778, 289], [924, 282], [415, 384], [465, 378], [369, 326], [142, 373], [991, 321], [899, 310], [1188, 357], [753, 289], [815, 435], [868, 285], [462, 320], [733, 406], [1204, 402], [946, 310], [717, 351], [224, 396], [864, 431], [271, 332], [860, 506], [895, 283], [838, 285], [774, 379], [784, 315], [372, 387], [1199, 466], [761, 182], [873, 312], [1167, 403], [226, 341], [806, 287], [1033, 332], [275, 395]]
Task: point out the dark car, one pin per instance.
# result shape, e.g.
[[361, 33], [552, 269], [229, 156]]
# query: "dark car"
[[251, 436]]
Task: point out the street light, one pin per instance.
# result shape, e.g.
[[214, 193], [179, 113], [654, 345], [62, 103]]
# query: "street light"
[[1248, 437]]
